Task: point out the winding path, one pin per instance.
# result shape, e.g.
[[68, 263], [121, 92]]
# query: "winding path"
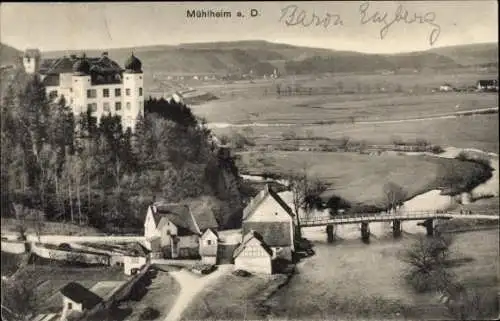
[[191, 285]]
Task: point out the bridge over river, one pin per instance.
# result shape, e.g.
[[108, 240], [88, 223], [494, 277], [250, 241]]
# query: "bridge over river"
[[429, 219]]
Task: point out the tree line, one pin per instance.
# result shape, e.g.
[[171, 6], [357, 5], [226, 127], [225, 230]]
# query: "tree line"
[[89, 171]]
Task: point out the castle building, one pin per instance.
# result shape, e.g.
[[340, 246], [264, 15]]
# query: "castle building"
[[95, 83]]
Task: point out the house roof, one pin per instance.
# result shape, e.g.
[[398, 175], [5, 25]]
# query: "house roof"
[[273, 233], [249, 236], [136, 249], [257, 200], [488, 82], [80, 294], [179, 214], [211, 230], [203, 212]]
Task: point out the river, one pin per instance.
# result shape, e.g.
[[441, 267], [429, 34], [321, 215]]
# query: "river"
[[353, 280]]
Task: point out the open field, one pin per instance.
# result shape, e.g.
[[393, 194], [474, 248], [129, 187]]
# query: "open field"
[[49, 279], [358, 281], [358, 178], [364, 97], [479, 132], [340, 108]]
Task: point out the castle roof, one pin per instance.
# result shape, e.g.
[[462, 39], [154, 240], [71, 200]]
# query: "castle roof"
[[102, 70], [133, 64]]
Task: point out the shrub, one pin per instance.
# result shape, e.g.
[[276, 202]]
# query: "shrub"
[[149, 314], [289, 135]]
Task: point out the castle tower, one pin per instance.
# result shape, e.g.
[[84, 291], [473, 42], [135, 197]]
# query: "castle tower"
[[82, 94], [133, 87], [31, 61]]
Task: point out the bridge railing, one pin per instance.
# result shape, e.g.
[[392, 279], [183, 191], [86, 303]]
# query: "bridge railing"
[[317, 219]]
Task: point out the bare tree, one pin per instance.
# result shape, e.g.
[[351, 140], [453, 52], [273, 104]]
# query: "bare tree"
[[305, 193], [394, 196]]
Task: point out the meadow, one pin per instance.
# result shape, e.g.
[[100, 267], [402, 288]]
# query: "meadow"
[[366, 282], [372, 108], [359, 179]]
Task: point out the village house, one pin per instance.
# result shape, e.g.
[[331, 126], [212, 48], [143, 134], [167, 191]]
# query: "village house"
[[95, 83], [209, 243], [253, 254], [136, 258], [487, 85], [446, 87], [268, 215], [177, 228], [77, 299]]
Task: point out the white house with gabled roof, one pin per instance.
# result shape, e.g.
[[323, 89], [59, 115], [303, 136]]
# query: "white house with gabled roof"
[[273, 219]]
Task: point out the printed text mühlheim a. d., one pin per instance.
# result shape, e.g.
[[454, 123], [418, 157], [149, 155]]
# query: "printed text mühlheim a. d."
[[220, 13]]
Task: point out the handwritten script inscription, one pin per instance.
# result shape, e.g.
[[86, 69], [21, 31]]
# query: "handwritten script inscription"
[[293, 15], [400, 15]]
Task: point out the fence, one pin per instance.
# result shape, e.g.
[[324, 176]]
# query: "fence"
[[367, 217], [58, 239]]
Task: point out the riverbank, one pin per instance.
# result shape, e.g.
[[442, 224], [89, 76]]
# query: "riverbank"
[[352, 280], [359, 179]]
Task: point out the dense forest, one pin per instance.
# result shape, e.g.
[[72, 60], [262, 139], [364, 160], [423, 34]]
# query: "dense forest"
[[76, 169]]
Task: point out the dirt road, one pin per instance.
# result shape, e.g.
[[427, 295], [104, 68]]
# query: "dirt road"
[[191, 285]]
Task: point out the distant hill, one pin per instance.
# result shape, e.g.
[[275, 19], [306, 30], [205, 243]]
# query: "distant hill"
[[262, 57], [467, 55], [9, 55]]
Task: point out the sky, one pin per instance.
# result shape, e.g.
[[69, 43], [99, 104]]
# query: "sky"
[[76, 26]]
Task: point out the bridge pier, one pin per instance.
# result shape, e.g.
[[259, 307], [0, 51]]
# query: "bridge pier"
[[396, 228], [330, 233], [365, 231], [429, 226]]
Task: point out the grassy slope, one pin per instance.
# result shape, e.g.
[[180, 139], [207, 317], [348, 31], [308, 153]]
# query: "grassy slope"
[[231, 298], [48, 280], [156, 297], [355, 282], [360, 178]]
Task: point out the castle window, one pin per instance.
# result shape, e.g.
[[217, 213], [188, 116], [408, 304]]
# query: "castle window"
[[92, 107], [127, 92], [118, 106], [106, 107], [118, 92], [105, 92], [128, 105], [91, 93], [140, 91]]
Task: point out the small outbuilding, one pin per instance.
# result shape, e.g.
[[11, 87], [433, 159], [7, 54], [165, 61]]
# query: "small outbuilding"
[[78, 298], [209, 243], [135, 259], [253, 254]]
